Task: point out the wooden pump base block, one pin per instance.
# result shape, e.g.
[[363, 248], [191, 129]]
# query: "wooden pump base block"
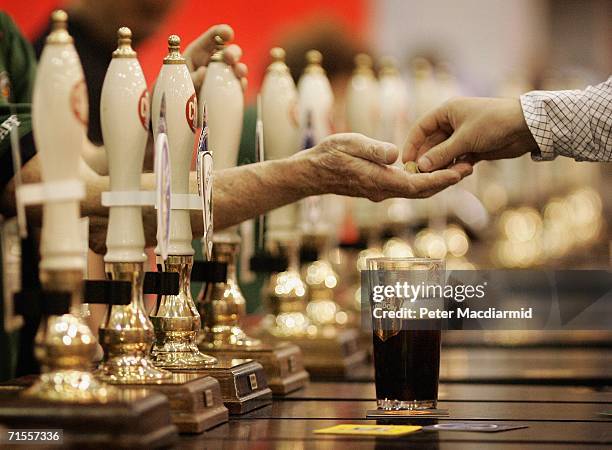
[[195, 401], [243, 382], [283, 363], [331, 356], [138, 419]]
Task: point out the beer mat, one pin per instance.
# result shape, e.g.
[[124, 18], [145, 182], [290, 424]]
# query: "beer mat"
[[369, 430], [481, 427], [407, 413]]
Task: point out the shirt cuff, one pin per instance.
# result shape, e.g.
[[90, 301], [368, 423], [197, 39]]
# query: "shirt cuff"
[[539, 126]]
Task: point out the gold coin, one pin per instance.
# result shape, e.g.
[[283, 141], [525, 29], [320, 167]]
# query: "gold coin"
[[411, 167]]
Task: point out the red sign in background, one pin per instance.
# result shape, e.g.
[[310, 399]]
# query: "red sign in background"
[[258, 25]]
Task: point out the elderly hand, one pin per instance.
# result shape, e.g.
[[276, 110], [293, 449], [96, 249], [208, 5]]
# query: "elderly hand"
[[199, 51], [469, 128], [355, 165]]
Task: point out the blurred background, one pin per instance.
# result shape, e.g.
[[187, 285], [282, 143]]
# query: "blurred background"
[[550, 214], [508, 214], [488, 43]]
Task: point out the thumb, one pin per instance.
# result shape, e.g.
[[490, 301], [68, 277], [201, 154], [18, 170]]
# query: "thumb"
[[440, 155]]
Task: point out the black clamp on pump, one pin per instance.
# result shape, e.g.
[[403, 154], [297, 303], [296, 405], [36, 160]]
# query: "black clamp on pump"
[[266, 262], [109, 292], [161, 283], [35, 303], [209, 272]]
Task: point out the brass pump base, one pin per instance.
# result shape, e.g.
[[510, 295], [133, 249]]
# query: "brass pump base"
[[134, 419], [130, 370], [127, 334], [70, 386], [328, 351], [65, 347], [334, 354], [223, 307], [195, 401], [177, 324], [283, 363], [244, 385]]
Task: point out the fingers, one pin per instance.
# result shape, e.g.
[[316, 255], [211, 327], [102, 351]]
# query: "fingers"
[[440, 155], [436, 181], [223, 30], [464, 168], [364, 147], [232, 54], [241, 70], [394, 182], [434, 123], [199, 51], [431, 141]]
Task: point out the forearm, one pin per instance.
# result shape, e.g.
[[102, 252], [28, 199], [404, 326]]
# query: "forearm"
[[239, 193], [245, 192], [575, 123]]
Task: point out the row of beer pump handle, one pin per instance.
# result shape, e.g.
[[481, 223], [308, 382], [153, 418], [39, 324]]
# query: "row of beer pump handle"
[[60, 87], [299, 117]]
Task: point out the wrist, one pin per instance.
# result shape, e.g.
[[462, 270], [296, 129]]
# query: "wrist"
[[517, 135], [303, 169]]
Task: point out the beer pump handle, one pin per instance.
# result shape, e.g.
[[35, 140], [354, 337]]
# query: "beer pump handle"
[[59, 122], [279, 108], [315, 98], [362, 107], [175, 85], [224, 99], [124, 114], [281, 139]]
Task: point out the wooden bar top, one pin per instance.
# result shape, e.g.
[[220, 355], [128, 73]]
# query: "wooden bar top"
[[556, 417]]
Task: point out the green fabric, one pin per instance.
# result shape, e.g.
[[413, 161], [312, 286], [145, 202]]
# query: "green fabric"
[[17, 73], [246, 154], [251, 290]]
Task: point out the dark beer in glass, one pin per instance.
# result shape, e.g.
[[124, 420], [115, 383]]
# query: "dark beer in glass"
[[406, 361]]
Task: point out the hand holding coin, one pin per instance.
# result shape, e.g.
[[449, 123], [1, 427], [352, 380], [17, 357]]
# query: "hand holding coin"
[[411, 167]]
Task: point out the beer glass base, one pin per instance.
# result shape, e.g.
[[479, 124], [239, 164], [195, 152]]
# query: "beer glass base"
[[407, 405]]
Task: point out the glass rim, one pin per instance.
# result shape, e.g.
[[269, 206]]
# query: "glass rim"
[[415, 259]]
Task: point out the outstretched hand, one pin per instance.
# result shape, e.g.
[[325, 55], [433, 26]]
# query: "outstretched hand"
[[355, 165], [469, 129]]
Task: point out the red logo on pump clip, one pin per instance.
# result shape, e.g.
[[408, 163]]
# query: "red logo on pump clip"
[[143, 109], [191, 112], [79, 103]]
